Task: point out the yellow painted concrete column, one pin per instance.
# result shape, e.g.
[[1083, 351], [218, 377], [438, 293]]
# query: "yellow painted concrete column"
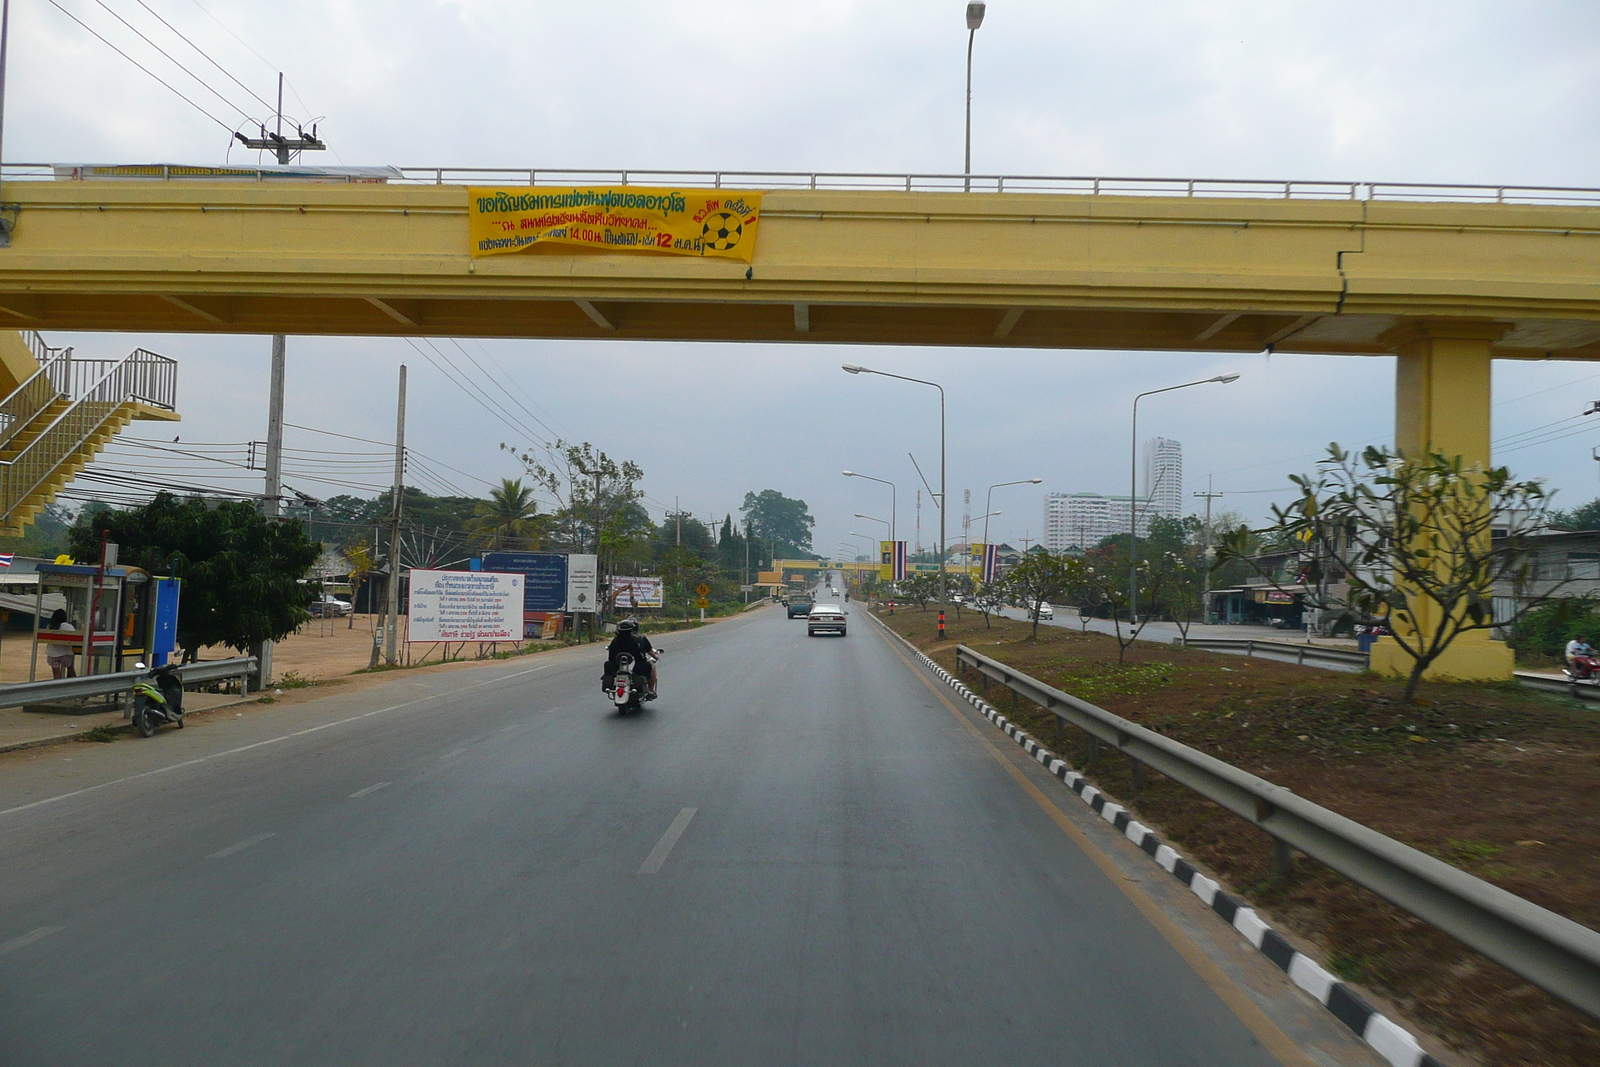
[[1441, 404]]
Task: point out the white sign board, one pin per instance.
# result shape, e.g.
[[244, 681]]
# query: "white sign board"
[[582, 584], [465, 606], [628, 593]]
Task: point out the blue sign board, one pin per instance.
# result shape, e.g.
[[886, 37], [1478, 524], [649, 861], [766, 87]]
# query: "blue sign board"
[[546, 588], [164, 634]]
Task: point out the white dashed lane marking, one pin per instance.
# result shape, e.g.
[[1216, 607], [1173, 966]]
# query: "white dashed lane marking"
[[240, 847], [658, 855], [36, 934]]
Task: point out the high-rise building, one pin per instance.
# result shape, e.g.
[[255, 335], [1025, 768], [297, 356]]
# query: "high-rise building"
[[1163, 476], [1083, 520]]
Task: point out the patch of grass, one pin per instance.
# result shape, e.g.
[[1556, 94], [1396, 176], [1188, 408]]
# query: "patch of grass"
[[103, 734], [293, 680], [1099, 680], [1467, 853]]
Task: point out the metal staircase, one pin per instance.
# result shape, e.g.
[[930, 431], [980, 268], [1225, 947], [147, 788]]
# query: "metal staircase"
[[56, 422]]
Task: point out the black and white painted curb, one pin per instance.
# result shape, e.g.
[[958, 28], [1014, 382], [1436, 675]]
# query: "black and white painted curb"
[[1391, 1041]]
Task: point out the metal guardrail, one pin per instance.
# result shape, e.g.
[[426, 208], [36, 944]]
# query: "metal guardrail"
[[1081, 185], [97, 685], [1562, 686], [1313, 654], [1551, 951]]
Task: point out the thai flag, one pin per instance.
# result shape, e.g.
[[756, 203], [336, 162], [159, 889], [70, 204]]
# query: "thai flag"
[[6, 558]]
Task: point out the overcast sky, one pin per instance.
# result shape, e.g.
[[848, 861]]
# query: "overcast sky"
[[1458, 91]]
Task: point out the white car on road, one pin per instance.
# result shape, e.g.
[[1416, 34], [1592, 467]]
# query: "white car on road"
[[1045, 611], [825, 618]]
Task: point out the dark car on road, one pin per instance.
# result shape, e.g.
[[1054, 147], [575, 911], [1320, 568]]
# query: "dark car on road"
[[800, 605]]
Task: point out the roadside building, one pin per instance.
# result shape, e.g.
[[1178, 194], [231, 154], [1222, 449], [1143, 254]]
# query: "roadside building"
[[1077, 521]]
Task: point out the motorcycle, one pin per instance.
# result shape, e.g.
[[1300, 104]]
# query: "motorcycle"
[[628, 688], [1582, 669], [157, 699]]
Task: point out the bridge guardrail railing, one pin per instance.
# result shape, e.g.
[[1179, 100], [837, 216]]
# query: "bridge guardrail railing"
[[1078, 185], [1301, 653], [121, 682], [1549, 950]]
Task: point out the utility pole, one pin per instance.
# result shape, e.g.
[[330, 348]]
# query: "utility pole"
[[283, 147], [1205, 595], [392, 635], [5, 26], [272, 499]]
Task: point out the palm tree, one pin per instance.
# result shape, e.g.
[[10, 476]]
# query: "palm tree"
[[510, 514]]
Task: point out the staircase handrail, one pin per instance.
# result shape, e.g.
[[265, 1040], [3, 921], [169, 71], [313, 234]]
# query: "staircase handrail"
[[41, 388], [142, 377]]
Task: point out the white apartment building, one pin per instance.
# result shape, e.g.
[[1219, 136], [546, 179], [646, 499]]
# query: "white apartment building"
[[1163, 476], [1083, 520]]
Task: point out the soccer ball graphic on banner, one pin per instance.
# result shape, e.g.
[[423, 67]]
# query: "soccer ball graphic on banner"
[[722, 231]]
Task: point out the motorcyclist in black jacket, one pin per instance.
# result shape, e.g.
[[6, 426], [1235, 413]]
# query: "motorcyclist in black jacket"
[[628, 639]]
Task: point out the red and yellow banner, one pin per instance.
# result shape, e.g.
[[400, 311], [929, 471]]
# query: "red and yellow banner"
[[630, 218]]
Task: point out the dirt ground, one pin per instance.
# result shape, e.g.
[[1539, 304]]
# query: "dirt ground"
[[1498, 780]]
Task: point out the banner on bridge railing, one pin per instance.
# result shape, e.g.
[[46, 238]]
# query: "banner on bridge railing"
[[628, 218]]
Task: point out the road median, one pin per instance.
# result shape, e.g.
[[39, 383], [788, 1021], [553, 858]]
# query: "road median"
[[1488, 778]]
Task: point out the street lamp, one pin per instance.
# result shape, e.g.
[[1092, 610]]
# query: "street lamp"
[[1133, 487], [989, 499], [856, 368], [894, 510], [974, 20], [869, 518]]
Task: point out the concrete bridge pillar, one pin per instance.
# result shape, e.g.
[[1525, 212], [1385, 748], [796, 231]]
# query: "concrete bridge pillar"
[[1442, 397]]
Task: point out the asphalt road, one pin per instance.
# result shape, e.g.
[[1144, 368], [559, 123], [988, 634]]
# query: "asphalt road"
[[801, 854]]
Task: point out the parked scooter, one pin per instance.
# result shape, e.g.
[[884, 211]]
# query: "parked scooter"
[[157, 699], [629, 688]]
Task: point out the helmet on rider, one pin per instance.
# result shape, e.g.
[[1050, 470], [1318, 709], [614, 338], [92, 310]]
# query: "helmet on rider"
[[627, 626]]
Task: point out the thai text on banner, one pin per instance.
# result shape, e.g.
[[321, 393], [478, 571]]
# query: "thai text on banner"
[[630, 218]]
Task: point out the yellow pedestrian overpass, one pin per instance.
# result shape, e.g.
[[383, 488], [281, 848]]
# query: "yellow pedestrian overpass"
[[1445, 278]]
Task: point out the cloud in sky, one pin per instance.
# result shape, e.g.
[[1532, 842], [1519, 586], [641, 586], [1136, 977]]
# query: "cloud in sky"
[[1448, 92]]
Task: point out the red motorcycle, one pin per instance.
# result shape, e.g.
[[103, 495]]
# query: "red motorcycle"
[[1582, 668]]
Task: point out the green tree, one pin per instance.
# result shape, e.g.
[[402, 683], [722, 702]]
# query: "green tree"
[[1181, 579], [510, 515], [1582, 517], [786, 521], [989, 598], [241, 572], [1040, 577], [1418, 541]]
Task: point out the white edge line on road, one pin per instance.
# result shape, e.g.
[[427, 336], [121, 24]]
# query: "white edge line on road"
[[37, 934], [268, 741], [223, 853], [658, 855], [370, 789]]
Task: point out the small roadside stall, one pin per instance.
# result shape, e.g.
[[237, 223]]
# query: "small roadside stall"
[[105, 619]]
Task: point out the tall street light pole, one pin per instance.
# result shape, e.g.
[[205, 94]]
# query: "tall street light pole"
[[870, 518], [1133, 488], [855, 368], [974, 20], [988, 499], [894, 509]]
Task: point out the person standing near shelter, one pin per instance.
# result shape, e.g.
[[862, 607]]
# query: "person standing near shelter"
[[60, 654]]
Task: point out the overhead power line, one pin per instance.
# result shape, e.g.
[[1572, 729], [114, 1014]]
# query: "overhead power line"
[[226, 73], [140, 34], [142, 67]]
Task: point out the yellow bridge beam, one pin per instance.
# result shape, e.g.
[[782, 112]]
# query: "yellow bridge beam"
[[1014, 270]]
